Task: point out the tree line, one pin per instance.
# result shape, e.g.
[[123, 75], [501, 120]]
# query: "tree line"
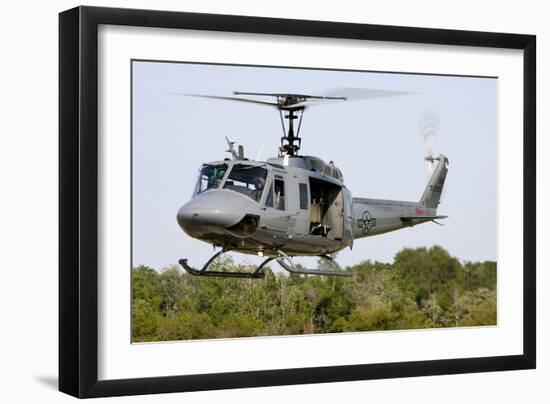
[[422, 288]]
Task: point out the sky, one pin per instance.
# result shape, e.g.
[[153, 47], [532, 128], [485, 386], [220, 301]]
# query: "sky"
[[378, 144]]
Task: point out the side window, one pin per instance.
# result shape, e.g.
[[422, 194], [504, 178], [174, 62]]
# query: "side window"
[[303, 196], [269, 197], [279, 194]]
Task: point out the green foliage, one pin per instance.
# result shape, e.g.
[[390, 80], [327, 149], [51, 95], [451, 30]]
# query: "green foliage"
[[422, 288], [184, 326], [425, 271], [145, 321]]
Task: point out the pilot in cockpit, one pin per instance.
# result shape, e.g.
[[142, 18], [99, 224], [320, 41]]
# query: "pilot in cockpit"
[[260, 185]]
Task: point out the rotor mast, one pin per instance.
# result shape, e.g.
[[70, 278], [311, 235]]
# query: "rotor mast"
[[291, 107], [288, 146]]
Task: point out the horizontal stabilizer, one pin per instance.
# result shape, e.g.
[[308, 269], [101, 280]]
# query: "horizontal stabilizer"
[[421, 217]]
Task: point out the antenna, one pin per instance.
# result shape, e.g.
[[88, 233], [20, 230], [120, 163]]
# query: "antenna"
[[237, 155]]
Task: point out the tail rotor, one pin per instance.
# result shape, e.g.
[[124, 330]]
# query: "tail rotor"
[[429, 128]]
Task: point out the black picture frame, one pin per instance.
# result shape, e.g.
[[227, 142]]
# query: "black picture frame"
[[78, 201]]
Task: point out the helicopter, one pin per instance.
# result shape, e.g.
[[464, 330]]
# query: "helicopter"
[[292, 205]]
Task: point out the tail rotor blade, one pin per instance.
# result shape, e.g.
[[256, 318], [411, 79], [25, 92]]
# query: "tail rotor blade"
[[260, 151], [429, 128]]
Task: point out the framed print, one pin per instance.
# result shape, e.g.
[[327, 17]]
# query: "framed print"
[[251, 201]]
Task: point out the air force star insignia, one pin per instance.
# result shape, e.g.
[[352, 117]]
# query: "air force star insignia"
[[366, 223]]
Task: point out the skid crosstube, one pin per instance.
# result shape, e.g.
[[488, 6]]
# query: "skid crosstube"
[[286, 262]]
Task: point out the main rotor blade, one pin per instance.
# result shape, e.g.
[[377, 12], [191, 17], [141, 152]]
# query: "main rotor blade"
[[307, 100], [349, 94], [307, 96], [313, 103], [217, 97], [358, 93]]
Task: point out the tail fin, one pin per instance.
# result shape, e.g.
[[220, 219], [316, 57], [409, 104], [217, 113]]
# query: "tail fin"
[[432, 193]]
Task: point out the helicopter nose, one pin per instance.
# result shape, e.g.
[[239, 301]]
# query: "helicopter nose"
[[211, 212]]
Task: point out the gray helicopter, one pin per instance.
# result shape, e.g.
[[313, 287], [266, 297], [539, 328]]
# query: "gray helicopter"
[[291, 205]]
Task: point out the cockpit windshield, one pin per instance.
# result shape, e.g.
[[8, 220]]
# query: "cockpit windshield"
[[210, 177], [248, 180]]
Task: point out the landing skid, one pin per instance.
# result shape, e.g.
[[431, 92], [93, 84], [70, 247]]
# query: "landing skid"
[[258, 273], [283, 260]]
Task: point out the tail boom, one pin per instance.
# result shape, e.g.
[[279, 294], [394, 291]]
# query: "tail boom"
[[378, 216]]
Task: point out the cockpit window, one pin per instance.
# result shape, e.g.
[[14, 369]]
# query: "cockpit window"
[[248, 180], [210, 177]]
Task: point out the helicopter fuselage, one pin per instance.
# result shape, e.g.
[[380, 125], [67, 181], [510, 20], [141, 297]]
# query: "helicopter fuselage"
[[297, 205]]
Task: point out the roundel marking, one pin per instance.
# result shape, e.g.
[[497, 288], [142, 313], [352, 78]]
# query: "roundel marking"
[[367, 222]]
